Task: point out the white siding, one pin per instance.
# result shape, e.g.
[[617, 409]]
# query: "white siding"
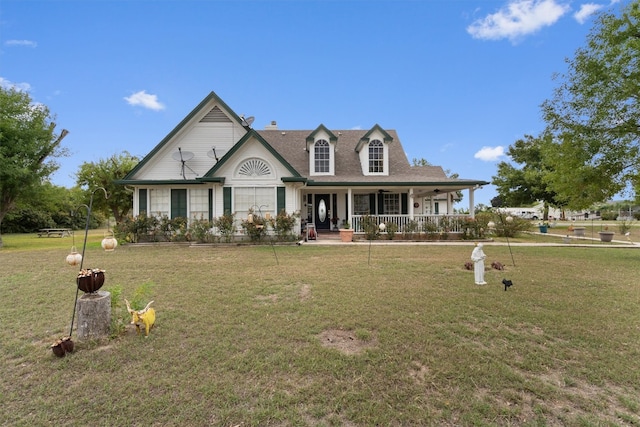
[[197, 138]]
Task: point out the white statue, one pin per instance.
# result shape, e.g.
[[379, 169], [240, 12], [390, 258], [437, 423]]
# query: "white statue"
[[478, 256]]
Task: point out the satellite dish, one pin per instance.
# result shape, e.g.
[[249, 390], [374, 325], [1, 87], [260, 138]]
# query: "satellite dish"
[[183, 157], [215, 153], [248, 121]]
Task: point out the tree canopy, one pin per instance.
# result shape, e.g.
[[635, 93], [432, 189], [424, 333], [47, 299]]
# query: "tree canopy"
[[29, 145], [526, 182], [103, 174], [594, 114]]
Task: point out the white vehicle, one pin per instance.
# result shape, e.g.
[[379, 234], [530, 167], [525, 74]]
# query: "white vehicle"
[[526, 213]]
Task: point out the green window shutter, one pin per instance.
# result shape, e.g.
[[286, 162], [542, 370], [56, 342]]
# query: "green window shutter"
[[282, 202], [404, 203], [380, 204], [178, 203], [372, 203], [142, 200], [226, 195], [211, 204]]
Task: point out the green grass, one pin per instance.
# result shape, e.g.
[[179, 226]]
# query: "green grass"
[[241, 340]]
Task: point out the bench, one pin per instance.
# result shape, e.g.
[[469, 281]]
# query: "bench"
[[60, 232]]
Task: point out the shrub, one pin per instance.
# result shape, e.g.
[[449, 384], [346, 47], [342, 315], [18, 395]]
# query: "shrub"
[[26, 221], [392, 229], [370, 227], [470, 229], [283, 225], [134, 230], [226, 226], [410, 229], [624, 226], [119, 315], [200, 230], [445, 227], [512, 228], [430, 228], [254, 226]]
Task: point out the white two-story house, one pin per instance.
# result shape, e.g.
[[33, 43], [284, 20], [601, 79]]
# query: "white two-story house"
[[213, 162]]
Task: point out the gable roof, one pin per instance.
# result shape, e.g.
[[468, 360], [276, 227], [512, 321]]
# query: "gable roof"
[[210, 175], [310, 139], [365, 139], [212, 116]]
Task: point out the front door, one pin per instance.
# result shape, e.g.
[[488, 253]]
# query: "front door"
[[321, 212]]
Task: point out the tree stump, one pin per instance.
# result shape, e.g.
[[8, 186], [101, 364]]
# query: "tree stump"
[[94, 315]]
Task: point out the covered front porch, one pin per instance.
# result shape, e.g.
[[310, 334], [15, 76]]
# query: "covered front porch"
[[403, 210], [406, 224]]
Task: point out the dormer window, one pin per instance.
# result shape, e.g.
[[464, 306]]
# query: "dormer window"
[[321, 145], [376, 156], [322, 156]]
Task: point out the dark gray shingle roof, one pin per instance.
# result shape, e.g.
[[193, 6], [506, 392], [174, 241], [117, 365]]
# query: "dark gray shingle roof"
[[291, 145]]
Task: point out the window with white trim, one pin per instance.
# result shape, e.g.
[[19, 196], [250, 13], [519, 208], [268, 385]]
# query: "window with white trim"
[[159, 202], [253, 168], [376, 156], [361, 204], [322, 156], [257, 199], [391, 203], [199, 203]]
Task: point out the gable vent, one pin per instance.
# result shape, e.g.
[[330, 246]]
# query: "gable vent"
[[215, 116], [254, 167]]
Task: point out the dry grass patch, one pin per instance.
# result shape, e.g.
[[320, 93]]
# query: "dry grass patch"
[[346, 342]]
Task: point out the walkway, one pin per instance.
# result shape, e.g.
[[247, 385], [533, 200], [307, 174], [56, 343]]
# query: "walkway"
[[331, 238]]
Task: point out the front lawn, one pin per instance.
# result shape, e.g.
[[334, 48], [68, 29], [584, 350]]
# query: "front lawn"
[[327, 335]]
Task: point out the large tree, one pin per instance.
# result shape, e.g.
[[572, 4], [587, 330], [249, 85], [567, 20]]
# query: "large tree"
[[29, 145], [103, 173], [526, 182], [594, 113]]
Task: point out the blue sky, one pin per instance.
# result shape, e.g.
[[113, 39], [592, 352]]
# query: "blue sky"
[[460, 80]]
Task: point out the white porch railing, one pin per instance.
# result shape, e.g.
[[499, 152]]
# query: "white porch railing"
[[417, 224]]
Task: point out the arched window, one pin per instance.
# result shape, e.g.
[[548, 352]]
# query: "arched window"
[[254, 168], [376, 157], [321, 154]]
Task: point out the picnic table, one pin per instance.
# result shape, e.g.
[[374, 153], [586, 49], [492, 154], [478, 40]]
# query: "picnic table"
[[60, 232]]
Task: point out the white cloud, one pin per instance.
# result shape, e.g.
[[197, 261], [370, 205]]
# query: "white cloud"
[[22, 87], [490, 154], [145, 100], [586, 10], [27, 43], [517, 19]]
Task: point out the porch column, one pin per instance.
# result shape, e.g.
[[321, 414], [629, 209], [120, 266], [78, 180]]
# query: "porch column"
[[349, 206], [136, 201], [449, 205], [411, 199], [472, 211]]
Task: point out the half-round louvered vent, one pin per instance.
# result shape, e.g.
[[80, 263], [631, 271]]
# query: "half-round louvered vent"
[[254, 167]]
